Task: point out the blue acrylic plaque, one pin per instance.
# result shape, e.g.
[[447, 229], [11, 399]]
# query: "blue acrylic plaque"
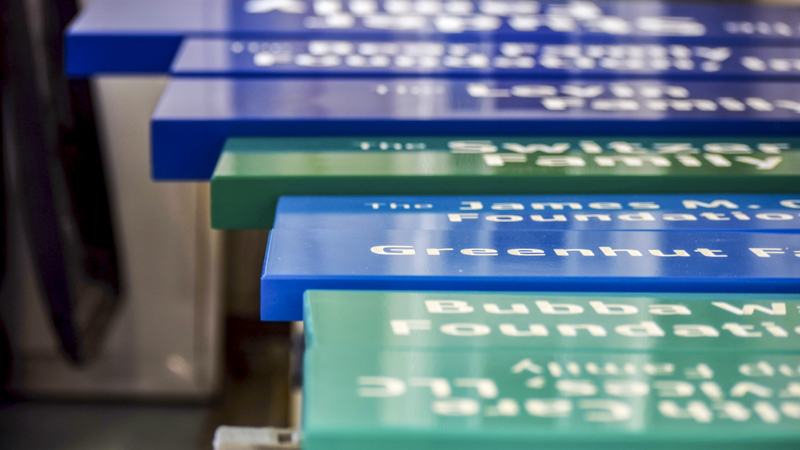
[[543, 212], [143, 35], [600, 261], [196, 115], [231, 57]]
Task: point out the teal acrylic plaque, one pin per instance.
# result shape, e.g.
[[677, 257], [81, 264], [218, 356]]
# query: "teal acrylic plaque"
[[251, 173], [556, 400], [475, 321]]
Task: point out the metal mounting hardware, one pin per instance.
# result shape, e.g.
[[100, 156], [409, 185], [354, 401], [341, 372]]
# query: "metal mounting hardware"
[[256, 438]]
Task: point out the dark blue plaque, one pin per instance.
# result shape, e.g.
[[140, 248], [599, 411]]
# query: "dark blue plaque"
[[232, 57], [690, 212], [196, 115], [143, 35], [598, 261]]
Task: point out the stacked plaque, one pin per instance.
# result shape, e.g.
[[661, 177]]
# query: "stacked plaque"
[[556, 224], [252, 173], [461, 370], [613, 243]]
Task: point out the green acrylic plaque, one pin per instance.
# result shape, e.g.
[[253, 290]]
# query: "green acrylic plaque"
[[472, 321], [253, 172], [400, 400]]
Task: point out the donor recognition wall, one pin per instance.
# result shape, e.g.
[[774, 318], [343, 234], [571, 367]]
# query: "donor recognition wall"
[[516, 223]]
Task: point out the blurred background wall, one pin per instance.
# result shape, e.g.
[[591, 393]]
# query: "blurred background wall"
[[165, 340]]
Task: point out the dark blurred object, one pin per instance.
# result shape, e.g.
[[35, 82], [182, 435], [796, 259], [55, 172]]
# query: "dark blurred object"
[[256, 387], [3, 206], [5, 360], [244, 253], [298, 350], [58, 176], [5, 348]]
